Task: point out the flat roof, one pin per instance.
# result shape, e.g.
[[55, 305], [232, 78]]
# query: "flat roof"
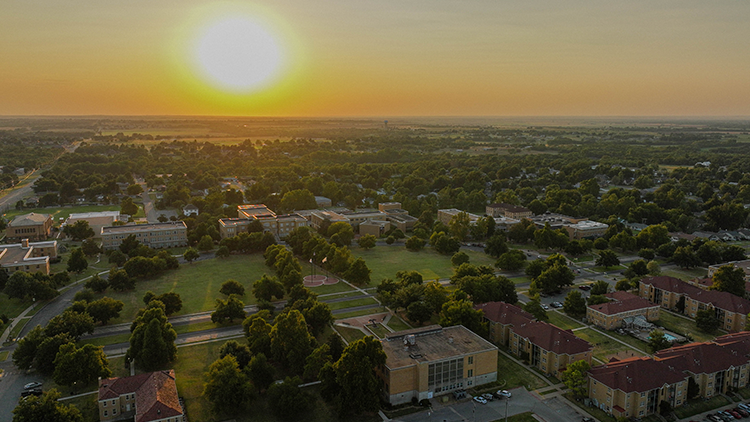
[[131, 228], [433, 343], [81, 215]]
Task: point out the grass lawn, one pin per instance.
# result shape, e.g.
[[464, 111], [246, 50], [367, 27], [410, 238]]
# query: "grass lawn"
[[593, 411], [512, 375], [362, 312], [197, 283], [563, 321], [684, 274], [13, 307], [378, 330], [640, 345], [350, 334], [88, 405], [4, 355], [331, 288], [605, 347], [520, 280], [352, 303], [521, 417], [62, 212], [397, 324], [682, 326], [695, 407], [386, 261]]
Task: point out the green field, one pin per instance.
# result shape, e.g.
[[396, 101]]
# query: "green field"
[[562, 321], [62, 212], [397, 324], [605, 347], [681, 325], [386, 261], [13, 307], [512, 375], [197, 283], [684, 274], [350, 334]]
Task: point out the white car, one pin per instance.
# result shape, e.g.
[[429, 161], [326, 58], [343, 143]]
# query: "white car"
[[31, 385], [502, 393], [480, 399]]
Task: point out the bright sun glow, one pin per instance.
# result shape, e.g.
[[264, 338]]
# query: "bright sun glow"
[[238, 54]]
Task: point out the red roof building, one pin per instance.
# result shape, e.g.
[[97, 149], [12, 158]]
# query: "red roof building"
[[502, 317], [622, 309], [145, 397], [549, 348]]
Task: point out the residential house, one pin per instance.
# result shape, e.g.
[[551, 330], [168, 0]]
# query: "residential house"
[[427, 362], [149, 397], [189, 210]]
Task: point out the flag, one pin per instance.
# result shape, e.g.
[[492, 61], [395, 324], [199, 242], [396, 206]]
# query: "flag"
[[311, 260], [324, 259]]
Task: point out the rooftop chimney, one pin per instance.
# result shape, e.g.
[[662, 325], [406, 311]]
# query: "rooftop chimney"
[[24, 243]]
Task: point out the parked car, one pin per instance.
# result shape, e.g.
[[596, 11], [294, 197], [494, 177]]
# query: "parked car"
[[31, 385], [744, 413], [32, 392], [502, 394], [488, 396], [714, 418], [459, 394], [545, 307], [584, 287], [480, 399], [587, 419], [556, 305], [734, 414]]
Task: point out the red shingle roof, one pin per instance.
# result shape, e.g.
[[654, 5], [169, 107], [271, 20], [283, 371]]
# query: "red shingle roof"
[[155, 394], [552, 338], [638, 374], [622, 302], [504, 313], [721, 300], [701, 358]]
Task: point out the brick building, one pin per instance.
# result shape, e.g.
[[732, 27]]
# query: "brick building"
[[157, 235], [621, 307], [31, 226], [28, 256], [149, 397], [549, 348]]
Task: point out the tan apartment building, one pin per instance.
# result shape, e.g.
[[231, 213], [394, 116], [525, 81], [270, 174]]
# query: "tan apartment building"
[[623, 308], [549, 348], [157, 235], [28, 257], [508, 210], [149, 397], [502, 318], [730, 310], [427, 362], [31, 226], [715, 368], [636, 386]]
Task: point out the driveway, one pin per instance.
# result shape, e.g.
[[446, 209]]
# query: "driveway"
[[550, 410]]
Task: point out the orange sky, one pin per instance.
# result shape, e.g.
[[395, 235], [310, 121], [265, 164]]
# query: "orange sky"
[[385, 58]]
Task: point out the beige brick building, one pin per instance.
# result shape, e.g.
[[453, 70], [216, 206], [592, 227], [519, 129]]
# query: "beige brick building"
[[431, 361], [279, 225], [730, 310], [31, 226], [157, 235], [508, 210], [549, 348], [28, 256], [149, 397], [622, 308], [502, 318]]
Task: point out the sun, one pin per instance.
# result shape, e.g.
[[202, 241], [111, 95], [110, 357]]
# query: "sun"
[[238, 54]]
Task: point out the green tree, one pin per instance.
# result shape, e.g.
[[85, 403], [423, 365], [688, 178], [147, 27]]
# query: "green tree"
[[459, 258], [534, 307], [172, 301], [657, 341], [290, 341], [232, 287], [495, 245], [240, 352], [653, 268], [227, 387], [257, 331], [607, 258], [353, 378], [599, 287], [46, 408], [623, 285], [596, 300], [228, 310], [191, 255], [705, 320], [315, 362], [459, 225], [73, 323], [358, 273], [575, 304], [729, 278], [298, 199], [90, 247], [260, 372], [685, 257], [97, 284], [23, 356], [266, 288], [575, 377], [462, 312], [343, 231], [222, 252], [79, 230], [653, 236], [128, 207], [287, 400], [104, 309], [513, 260], [120, 281], [415, 244], [116, 257], [134, 189], [206, 243], [152, 339], [77, 262], [419, 312], [80, 366], [367, 241], [44, 360]]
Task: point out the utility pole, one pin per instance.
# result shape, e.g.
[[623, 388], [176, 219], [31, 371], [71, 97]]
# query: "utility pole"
[[506, 409]]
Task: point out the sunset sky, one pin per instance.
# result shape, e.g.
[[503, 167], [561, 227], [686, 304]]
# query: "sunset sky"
[[376, 57]]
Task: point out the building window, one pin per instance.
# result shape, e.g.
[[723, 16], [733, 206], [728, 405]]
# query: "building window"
[[105, 413], [471, 360], [470, 373]]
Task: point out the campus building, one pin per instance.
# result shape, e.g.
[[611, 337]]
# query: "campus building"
[[444, 216], [549, 348], [28, 257], [31, 226], [397, 216], [507, 210], [278, 225], [502, 318], [96, 220], [672, 293], [426, 362], [157, 235], [622, 310], [577, 228], [149, 397]]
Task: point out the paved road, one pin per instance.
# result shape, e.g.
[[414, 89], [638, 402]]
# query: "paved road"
[[551, 410], [9, 200]]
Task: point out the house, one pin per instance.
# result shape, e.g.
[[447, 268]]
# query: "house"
[[502, 318], [31, 226], [549, 348], [635, 387], [621, 309], [28, 257], [171, 234], [508, 210], [149, 397], [677, 295], [189, 210], [427, 362]]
